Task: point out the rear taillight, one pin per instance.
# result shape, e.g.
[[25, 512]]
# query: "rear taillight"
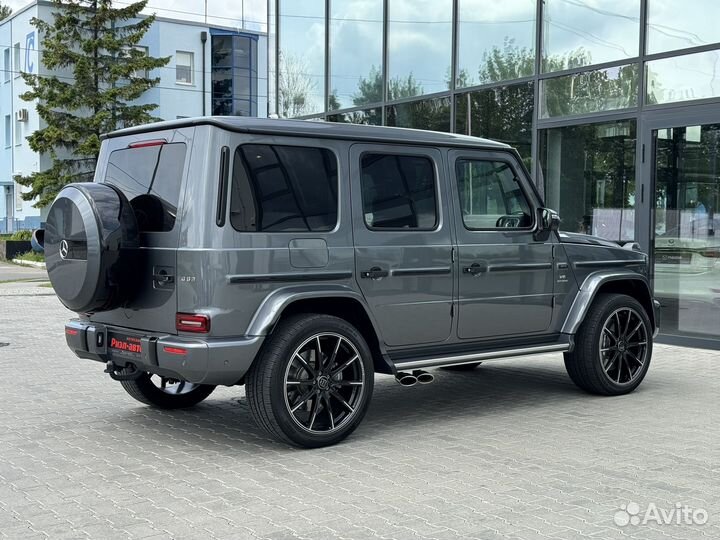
[[192, 322], [711, 253], [175, 350]]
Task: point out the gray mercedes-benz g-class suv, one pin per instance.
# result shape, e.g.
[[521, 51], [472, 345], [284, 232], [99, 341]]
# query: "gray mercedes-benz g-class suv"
[[300, 258]]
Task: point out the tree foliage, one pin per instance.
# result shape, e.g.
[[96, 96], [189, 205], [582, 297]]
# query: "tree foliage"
[[5, 11], [97, 72], [294, 87]]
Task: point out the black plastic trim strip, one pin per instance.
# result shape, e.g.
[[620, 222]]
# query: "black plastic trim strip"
[[520, 266], [438, 271], [288, 277], [613, 263], [223, 186]]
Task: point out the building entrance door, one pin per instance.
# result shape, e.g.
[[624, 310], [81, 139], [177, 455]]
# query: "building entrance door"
[[682, 178]]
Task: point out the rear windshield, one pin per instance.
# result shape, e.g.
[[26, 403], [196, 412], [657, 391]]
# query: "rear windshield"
[[150, 178]]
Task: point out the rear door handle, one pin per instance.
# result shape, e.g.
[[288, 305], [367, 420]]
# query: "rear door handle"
[[475, 268], [374, 273]]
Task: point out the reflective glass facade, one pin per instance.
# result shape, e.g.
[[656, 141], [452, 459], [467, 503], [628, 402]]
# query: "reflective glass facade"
[[581, 88]]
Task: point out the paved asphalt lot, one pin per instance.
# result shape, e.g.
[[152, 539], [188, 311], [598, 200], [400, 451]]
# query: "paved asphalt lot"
[[510, 450]]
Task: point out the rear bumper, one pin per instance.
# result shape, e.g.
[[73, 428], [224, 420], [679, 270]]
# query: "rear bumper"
[[204, 361]]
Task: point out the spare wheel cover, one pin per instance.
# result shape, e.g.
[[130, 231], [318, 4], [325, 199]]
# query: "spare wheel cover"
[[88, 225]]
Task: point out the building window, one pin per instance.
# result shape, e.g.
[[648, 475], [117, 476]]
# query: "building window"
[[432, 114], [398, 192], [16, 60], [18, 132], [419, 47], [234, 75], [301, 80], [504, 114], [496, 41], [577, 34], [284, 189], [681, 78], [8, 131], [589, 176], [372, 117], [670, 27], [184, 67], [355, 72], [590, 91], [6, 65]]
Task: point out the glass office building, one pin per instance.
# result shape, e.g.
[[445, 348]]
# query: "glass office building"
[[614, 105]]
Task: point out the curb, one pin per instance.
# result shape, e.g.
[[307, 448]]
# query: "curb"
[[29, 263]]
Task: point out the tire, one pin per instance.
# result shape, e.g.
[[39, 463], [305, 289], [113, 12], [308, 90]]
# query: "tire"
[[613, 346], [300, 401], [91, 240], [462, 367], [178, 395]]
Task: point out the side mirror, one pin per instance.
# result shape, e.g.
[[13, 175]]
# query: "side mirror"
[[548, 221]]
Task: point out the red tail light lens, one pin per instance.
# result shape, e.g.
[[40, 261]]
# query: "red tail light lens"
[[711, 253], [192, 322], [175, 350]]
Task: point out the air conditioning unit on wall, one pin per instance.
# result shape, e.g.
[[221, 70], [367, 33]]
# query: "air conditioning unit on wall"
[[21, 115]]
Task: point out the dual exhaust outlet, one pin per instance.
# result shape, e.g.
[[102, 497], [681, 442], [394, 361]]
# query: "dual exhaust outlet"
[[417, 376]]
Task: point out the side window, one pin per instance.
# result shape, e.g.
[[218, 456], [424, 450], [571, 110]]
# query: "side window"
[[491, 196], [284, 189], [150, 177], [398, 191]]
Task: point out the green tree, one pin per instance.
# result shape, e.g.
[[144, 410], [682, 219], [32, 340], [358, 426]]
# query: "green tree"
[[370, 88], [294, 87], [97, 72], [5, 11]]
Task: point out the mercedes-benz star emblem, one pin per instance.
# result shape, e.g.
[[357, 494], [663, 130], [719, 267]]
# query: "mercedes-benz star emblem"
[[64, 249]]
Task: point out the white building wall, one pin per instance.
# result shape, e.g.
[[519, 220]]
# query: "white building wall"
[[174, 100]]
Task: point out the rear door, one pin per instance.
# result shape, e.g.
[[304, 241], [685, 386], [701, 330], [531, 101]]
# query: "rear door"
[[505, 276], [403, 241], [150, 169]]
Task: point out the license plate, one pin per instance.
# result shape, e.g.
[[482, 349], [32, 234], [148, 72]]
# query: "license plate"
[[124, 346], [673, 258]]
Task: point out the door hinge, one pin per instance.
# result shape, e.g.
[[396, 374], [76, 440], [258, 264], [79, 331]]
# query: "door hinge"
[[452, 254], [642, 154], [452, 310]]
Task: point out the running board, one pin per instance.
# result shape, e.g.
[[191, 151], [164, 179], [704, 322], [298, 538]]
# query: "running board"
[[479, 357]]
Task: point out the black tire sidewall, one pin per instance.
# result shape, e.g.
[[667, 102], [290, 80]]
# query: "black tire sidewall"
[[605, 305], [145, 391], [277, 356]]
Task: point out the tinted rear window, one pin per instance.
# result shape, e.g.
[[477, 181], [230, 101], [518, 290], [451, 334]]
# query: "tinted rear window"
[[150, 178], [283, 189]]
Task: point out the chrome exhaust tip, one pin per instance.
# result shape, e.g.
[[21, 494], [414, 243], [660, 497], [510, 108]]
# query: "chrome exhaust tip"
[[406, 379], [423, 377]]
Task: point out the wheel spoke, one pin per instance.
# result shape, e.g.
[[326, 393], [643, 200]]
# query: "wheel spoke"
[[329, 411], [301, 383], [631, 334], [303, 400], [305, 365], [619, 372], [609, 333], [316, 408], [346, 364], [637, 344], [611, 363], [331, 363], [341, 400], [627, 324], [634, 357], [349, 383], [318, 360]]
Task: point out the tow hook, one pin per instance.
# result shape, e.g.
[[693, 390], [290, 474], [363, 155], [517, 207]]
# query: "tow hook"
[[116, 372]]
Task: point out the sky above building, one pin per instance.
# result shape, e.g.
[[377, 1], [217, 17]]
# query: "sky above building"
[[249, 14]]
